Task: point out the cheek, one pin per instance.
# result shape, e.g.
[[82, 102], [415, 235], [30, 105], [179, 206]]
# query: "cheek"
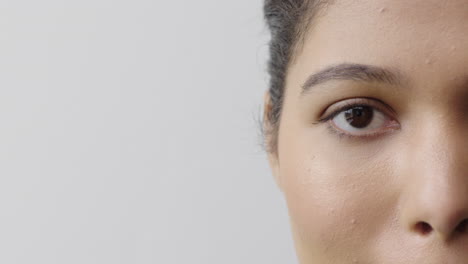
[[339, 198]]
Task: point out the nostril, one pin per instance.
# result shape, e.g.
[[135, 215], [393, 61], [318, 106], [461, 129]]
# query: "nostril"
[[423, 228], [463, 226]]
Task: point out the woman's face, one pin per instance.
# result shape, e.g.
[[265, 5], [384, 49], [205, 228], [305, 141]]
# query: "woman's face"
[[373, 140]]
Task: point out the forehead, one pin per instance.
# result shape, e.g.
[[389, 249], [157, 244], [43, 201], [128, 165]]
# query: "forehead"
[[392, 14], [414, 12], [416, 28], [395, 32]]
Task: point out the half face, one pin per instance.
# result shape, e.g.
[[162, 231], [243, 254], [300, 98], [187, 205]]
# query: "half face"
[[373, 139]]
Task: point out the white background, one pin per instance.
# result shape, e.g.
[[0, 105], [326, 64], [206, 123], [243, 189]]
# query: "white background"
[[128, 134]]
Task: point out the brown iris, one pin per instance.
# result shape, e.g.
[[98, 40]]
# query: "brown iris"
[[359, 116]]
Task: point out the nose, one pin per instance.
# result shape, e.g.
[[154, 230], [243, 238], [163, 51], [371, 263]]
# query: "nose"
[[435, 200], [440, 211]]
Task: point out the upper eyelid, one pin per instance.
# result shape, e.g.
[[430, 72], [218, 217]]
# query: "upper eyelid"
[[352, 102]]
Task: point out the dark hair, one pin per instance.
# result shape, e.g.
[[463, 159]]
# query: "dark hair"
[[287, 20]]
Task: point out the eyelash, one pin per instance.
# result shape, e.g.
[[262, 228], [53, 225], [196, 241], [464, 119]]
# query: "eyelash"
[[368, 102]]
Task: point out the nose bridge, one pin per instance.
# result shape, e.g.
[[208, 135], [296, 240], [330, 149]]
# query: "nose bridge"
[[437, 196]]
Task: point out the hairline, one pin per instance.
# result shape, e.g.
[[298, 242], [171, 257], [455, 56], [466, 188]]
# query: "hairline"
[[315, 9]]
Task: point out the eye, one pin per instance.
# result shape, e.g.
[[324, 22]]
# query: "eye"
[[360, 120]]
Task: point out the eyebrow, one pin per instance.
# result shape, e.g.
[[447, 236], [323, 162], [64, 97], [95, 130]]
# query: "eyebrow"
[[354, 72]]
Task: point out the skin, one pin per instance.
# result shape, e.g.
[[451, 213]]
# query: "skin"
[[400, 196]]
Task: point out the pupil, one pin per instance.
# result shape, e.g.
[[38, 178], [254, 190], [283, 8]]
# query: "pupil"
[[359, 116]]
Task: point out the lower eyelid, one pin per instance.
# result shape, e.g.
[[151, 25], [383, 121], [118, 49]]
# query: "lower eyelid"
[[340, 134]]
